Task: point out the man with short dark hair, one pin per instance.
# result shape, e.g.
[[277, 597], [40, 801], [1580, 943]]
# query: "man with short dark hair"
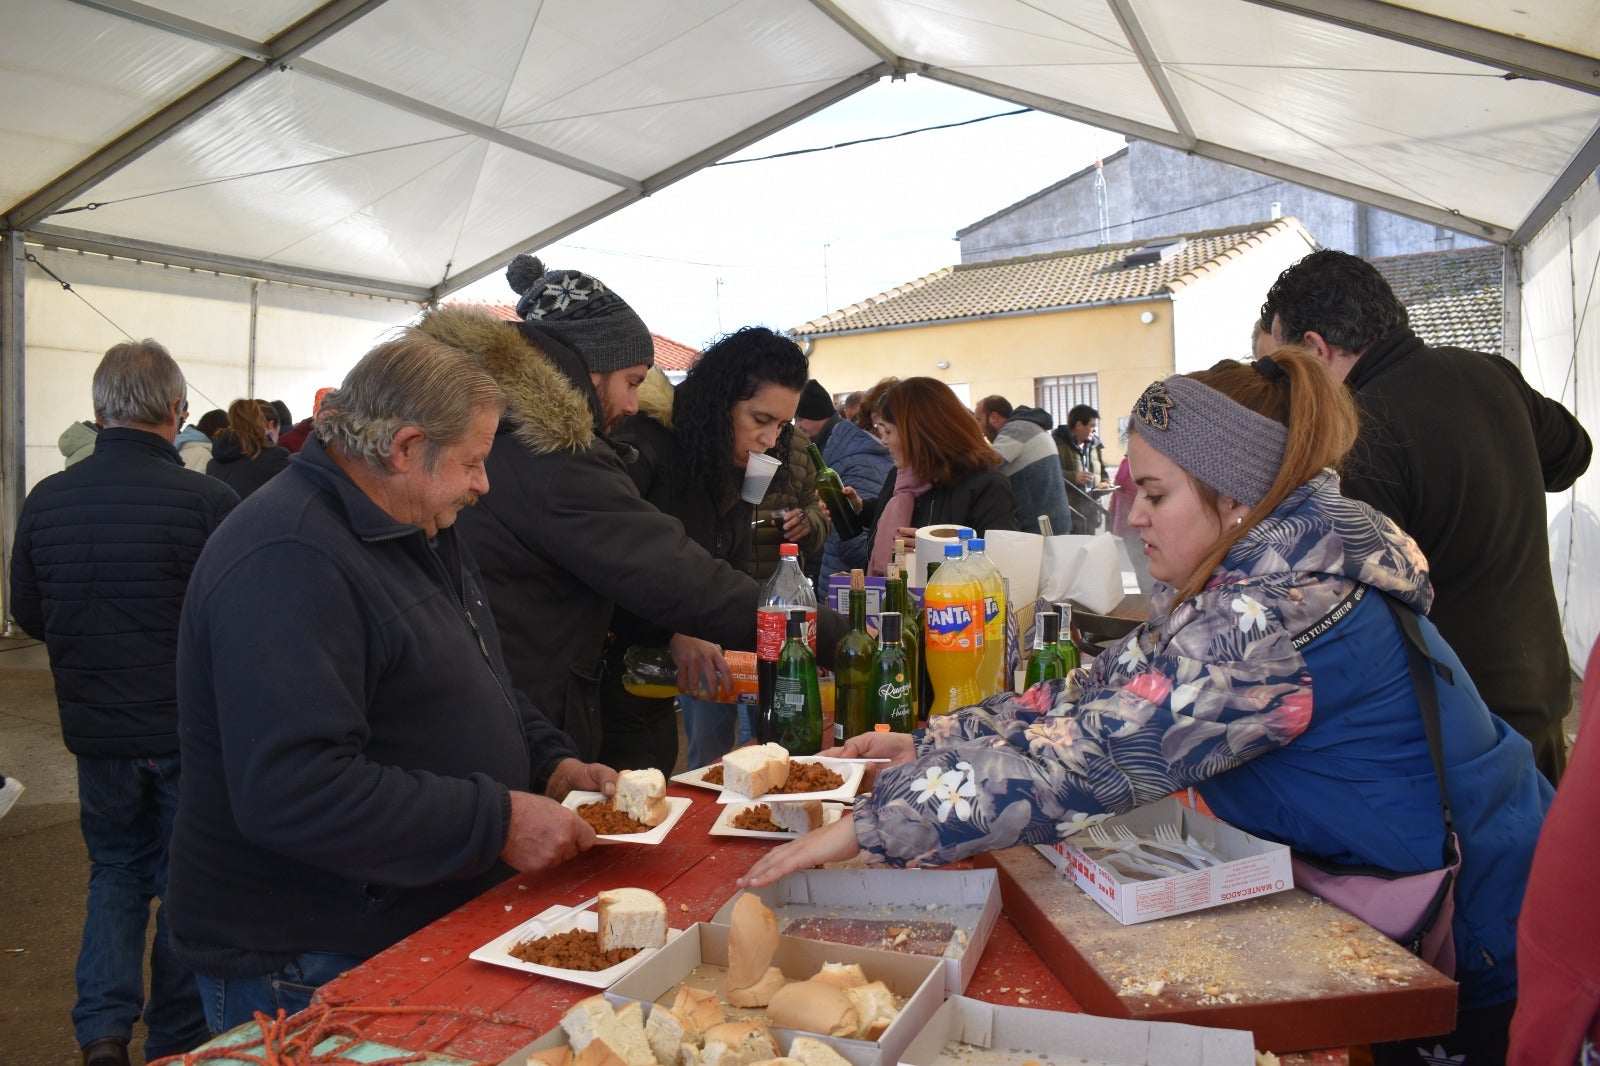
[[1459, 450], [1031, 462], [103, 557], [357, 760], [1074, 442]]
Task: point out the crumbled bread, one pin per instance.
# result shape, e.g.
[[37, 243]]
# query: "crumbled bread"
[[642, 796], [841, 974], [631, 918]]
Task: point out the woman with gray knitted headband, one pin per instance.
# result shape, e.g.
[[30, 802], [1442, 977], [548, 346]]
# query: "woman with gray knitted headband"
[[1272, 676]]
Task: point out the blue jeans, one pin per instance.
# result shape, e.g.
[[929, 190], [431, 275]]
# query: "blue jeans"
[[232, 1002], [712, 729], [125, 808]]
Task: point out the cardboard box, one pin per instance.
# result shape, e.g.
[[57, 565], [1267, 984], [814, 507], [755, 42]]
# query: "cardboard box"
[[1254, 867], [916, 979], [968, 899], [1000, 1036], [838, 597]]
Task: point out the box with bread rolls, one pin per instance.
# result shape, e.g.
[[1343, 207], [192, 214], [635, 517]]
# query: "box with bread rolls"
[[865, 1005], [970, 1032], [945, 914]]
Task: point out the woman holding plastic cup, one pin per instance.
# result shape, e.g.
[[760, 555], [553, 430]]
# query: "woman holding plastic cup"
[[1277, 674], [718, 453]]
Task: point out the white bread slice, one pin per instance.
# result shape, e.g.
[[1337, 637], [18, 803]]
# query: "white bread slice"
[[799, 817], [631, 918], [760, 993], [622, 1031], [698, 1009], [814, 1007], [598, 1053], [737, 1044], [813, 1052], [841, 974], [668, 1032], [875, 1009], [642, 796], [755, 771], [752, 940]]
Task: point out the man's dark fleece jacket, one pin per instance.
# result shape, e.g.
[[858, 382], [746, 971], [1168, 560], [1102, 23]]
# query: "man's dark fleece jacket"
[[350, 733], [1460, 451]]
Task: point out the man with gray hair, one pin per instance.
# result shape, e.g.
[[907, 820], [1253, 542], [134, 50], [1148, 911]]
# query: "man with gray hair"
[[104, 552], [360, 763]]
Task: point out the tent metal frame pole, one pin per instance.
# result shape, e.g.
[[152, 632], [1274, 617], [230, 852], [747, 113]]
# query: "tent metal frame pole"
[[195, 259], [1583, 163], [745, 137], [304, 35], [167, 22], [862, 37], [1140, 42], [1511, 302], [1502, 51], [1271, 167], [13, 370]]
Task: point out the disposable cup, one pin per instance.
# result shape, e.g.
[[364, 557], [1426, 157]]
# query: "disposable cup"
[[758, 471]]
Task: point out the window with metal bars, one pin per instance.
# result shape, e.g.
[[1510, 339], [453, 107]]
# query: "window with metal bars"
[[1062, 393]]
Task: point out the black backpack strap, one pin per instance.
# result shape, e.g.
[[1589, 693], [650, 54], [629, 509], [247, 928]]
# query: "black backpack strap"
[[1418, 659]]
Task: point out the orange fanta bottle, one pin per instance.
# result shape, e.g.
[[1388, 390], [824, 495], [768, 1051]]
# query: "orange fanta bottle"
[[953, 637]]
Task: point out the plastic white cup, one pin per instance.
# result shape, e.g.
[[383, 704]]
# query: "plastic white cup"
[[758, 471]]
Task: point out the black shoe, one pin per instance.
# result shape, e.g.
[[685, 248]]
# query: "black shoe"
[[107, 1051]]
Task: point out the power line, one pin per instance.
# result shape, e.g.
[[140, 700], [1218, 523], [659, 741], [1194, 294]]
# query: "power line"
[[870, 140]]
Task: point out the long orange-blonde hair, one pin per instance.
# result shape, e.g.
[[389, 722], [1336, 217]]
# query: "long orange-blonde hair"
[[248, 419], [939, 437]]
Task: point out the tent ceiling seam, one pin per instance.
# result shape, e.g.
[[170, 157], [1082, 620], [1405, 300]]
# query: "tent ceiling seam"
[[310, 31], [167, 22], [1153, 68], [1438, 34], [849, 25], [481, 130]]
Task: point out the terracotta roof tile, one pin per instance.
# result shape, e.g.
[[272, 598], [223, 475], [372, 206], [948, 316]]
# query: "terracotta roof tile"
[[1047, 281], [1455, 297], [670, 355]]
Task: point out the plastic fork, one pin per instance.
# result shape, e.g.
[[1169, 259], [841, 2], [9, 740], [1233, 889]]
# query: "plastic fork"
[[1133, 854], [1133, 841], [1168, 836]]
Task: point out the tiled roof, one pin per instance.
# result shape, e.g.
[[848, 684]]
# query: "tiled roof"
[[1454, 297], [670, 355], [1048, 282]]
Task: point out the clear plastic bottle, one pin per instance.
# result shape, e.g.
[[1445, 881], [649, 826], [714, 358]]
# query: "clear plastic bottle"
[[953, 634], [993, 584], [788, 587]]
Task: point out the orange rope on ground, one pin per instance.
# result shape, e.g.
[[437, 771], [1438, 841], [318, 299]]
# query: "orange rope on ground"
[[284, 1044]]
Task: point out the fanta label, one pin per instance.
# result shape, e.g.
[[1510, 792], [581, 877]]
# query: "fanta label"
[[954, 628], [991, 610]]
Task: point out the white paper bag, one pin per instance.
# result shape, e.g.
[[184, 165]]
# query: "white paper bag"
[[1083, 569]]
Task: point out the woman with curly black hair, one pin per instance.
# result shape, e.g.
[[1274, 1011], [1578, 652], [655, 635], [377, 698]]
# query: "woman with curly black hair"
[[693, 444]]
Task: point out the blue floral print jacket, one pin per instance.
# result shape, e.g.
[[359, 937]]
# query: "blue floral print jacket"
[[1203, 687]]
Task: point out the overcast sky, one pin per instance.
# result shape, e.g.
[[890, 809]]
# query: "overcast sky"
[[781, 241]]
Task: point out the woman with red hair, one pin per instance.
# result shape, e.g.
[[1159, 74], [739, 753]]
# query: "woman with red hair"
[[944, 469]]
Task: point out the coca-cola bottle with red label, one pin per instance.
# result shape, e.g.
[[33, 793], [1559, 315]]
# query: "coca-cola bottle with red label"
[[788, 587]]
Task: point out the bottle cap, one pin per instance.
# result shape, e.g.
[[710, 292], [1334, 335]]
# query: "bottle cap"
[[1050, 627], [889, 630], [952, 551], [975, 544], [966, 532], [788, 548], [881, 727]]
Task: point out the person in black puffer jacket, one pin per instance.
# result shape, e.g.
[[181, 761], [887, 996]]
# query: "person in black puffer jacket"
[[103, 555], [246, 454]]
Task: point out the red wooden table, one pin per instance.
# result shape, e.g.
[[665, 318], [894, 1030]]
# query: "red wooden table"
[[440, 1000]]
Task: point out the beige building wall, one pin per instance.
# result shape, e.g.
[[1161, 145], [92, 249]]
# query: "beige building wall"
[[1004, 355]]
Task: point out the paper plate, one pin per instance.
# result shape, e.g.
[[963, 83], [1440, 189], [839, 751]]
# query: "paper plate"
[[497, 952], [724, 826], [852, 772], [676, 805]]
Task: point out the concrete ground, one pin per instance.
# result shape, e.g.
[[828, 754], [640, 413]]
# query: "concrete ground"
[[44, 869]]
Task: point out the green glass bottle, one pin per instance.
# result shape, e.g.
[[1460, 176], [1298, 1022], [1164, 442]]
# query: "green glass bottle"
[[896, 599], [796, 698], [1068, 646], [924, 684], [831, 488], [891, 679], [852, 668], [1046, 661]]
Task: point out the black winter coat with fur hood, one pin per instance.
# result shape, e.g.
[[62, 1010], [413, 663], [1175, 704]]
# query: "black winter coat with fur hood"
[[562, 533]]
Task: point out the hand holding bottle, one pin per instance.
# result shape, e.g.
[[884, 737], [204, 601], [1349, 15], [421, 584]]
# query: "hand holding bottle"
[[702, 671]]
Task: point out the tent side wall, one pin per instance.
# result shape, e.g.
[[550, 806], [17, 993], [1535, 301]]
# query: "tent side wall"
[[232, 336], [1561, 358]]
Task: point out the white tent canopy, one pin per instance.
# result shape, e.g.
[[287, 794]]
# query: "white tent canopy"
[[404, 148]]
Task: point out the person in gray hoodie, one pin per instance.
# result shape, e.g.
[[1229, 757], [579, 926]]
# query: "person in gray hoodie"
[[1022, 437]]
